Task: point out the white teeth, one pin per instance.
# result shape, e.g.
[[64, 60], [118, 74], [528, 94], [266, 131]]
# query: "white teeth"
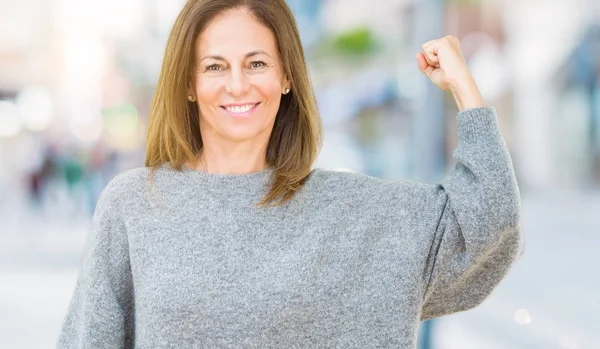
[[240, 109]]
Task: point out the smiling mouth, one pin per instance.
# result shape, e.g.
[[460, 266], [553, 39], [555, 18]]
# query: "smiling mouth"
[[240, 109]]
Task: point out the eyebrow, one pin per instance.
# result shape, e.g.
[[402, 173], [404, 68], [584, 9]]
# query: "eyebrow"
[[248, 55]]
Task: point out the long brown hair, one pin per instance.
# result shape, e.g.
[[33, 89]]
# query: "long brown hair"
[[174, 131]]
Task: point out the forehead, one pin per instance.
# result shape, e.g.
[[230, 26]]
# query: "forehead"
[[233, 33]]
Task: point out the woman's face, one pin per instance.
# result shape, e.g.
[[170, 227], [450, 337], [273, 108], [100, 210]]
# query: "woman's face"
[[239, 78]]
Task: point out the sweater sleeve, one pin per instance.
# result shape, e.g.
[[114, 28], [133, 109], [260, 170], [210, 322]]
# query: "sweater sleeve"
[[478, 235], [100, 314]]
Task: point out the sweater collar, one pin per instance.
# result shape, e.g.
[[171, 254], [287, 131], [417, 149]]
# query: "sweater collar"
[[239, 183]]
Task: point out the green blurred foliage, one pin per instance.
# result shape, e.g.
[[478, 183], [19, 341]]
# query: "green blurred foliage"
[[359, 41]]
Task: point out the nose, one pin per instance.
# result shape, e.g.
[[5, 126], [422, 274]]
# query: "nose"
[[237, 84]]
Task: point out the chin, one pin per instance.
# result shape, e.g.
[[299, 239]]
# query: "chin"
[[241, 134]]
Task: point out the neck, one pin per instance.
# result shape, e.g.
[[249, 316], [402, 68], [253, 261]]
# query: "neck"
[[213, 160]]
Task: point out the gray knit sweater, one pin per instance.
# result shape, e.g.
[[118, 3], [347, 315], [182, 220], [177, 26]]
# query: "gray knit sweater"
[[353, 261]]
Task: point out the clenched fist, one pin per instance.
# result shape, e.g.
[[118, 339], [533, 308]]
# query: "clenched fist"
[[443, 62]]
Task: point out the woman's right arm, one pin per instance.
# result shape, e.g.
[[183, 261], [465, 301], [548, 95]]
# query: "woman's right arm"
[[101, 311]]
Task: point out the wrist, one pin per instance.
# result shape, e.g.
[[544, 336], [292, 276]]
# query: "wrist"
[[466, 94]]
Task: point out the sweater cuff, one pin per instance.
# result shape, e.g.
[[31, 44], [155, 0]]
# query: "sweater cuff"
[[478, 125]]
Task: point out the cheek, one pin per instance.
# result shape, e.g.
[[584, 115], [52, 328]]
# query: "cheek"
[[207, 92], [270, 88]]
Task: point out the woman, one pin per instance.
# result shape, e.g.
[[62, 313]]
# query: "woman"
[[227, 238]]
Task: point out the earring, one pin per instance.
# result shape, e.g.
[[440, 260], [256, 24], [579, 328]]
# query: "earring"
[[190, 98], [286, 91]]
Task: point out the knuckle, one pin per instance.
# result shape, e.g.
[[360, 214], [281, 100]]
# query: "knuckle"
[[452, 39]]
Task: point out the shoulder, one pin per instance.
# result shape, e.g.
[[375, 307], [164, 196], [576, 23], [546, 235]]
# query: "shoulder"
[[127, 181], [123, 187], [403, 201], [321, 176], [348, 179], [353, 183]]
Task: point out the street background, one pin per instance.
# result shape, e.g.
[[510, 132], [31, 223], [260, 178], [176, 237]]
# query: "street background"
[[77, 77]]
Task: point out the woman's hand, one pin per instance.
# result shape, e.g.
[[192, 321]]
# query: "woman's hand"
[[444, 64]]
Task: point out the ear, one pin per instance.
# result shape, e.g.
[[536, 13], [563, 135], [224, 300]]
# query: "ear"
[[191, 93], [286, 85]]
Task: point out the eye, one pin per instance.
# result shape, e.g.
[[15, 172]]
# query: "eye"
[[258, 64], [214, 67]]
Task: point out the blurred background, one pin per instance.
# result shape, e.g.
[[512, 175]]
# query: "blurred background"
[[77, 78]]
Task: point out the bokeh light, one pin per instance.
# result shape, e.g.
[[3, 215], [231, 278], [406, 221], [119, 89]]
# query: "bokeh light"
[[522, 317], [121, 124], [36, 108], [10, 123]]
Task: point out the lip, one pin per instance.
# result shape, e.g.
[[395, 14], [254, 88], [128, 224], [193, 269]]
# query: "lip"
[[240, 115]]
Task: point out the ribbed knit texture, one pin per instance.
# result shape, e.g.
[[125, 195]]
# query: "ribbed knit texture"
[[353, 261]]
